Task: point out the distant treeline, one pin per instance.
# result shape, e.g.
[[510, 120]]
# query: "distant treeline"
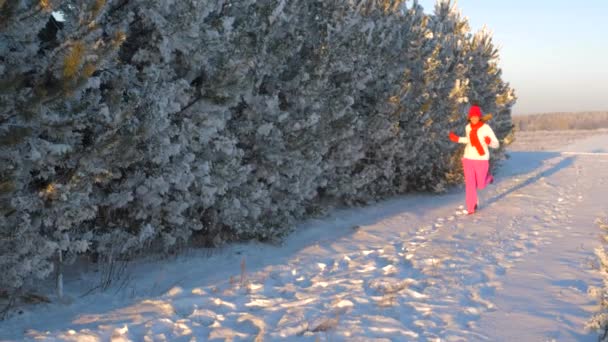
[[561, 121]]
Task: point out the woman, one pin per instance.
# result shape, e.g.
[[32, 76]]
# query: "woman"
[[476, 159]]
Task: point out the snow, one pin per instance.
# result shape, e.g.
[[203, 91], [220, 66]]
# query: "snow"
[[409, 268]]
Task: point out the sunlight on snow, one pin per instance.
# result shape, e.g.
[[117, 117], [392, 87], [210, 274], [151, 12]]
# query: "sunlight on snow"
[[220, 302], [261, 303], [136, 314], [299, 303], [71, 335], [226, 334], [174, 292], [366, 269], [199, 291], [255, 287]]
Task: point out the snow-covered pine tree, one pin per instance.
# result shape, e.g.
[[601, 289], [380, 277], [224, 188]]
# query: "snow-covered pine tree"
[[50, 105], [447, 85], [277, 123], [138, 123], [366, 70], [226, 158], [412, 99]]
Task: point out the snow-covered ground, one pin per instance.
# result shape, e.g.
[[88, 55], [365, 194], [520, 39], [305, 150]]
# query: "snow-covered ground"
[[551, 140], [410, 268]]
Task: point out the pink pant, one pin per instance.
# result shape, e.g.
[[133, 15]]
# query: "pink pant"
[[476, 176]]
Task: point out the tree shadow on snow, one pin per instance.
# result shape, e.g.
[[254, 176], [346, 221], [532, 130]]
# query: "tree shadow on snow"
[[526, 162]]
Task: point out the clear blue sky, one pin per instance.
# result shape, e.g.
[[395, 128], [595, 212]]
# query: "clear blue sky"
[[554, 53]]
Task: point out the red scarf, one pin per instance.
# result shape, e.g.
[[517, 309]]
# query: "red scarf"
[[475, 139]]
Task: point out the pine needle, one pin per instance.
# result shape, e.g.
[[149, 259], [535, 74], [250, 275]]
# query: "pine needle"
[[73, 60], [97, 6], [6, 187], [45, 5], [119, 38], [89, 69]]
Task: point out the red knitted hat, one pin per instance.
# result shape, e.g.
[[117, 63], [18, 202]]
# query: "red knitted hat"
[[475, 111]]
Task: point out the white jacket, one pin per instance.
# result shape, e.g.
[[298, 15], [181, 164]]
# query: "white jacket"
[[470, 152]]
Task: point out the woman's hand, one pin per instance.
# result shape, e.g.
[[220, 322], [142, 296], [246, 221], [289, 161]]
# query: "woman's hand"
[[454, 137]]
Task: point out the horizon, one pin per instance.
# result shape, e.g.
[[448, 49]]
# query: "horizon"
[[563, 112], [550, 51]]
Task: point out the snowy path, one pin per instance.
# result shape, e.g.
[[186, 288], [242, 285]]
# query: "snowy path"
[[410, 268], [545, 297]]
